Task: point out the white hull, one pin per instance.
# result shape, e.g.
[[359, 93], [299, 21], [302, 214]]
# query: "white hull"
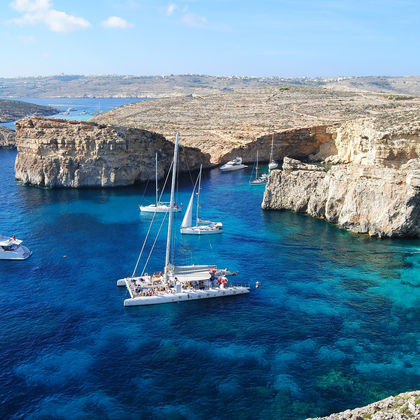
[[272, 165], [201, 230], [231, 168], [258, 182], [152, 208], [20, 253], [186, 296]]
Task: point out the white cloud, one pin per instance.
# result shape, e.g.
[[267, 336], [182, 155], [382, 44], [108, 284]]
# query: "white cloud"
[[41, 11], [28, 39], [170, 9], [116, 22], [191, 19]]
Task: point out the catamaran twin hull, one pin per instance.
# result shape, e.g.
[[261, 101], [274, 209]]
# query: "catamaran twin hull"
[[186, 296]]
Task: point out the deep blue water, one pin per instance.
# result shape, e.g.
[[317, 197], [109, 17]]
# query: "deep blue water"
[[335, 324]]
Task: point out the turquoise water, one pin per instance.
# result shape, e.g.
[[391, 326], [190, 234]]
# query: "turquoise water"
[[334, 325]]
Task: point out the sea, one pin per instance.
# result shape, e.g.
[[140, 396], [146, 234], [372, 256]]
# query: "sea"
[[334, 324]]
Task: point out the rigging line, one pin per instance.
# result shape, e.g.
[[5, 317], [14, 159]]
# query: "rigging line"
[[144, 244], [186, 161], [154, 243], [145, 189], [252, 172], [166, 180]]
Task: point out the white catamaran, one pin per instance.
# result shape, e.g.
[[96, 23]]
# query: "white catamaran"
[[258, 180], [159, 207], [272, 164], [177, 283], [202, 227]]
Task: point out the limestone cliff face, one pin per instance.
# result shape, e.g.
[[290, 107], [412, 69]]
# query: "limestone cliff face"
[[59, 153], [7, 138], [373, 185], [382, 202]]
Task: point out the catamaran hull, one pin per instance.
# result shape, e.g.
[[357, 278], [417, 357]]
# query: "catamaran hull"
[[186, 296]]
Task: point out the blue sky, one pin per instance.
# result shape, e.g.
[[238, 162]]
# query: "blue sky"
[[287, 38]]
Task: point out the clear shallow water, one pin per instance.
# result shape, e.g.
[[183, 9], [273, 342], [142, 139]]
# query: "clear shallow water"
[[80, 109], [334, 325]]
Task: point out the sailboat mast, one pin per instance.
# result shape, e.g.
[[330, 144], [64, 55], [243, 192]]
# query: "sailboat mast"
[[156, 177], [256, 168], [198, 194], [272, 144], [171, 205]]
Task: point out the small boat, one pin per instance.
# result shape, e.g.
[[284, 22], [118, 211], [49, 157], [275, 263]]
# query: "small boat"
[[11, 249], [258, 180], [272, 164], [159, 207], [177, 283], [202, 227], [233, 165]]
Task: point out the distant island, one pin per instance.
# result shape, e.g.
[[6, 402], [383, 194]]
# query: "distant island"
[[128, 86], [14, 110]]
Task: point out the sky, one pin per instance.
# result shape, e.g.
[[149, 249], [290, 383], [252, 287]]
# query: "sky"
[[285, 38]]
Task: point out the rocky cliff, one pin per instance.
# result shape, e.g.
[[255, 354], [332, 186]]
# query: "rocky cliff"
[[7, 138], [372, 185], [59, 153], [401, 407]]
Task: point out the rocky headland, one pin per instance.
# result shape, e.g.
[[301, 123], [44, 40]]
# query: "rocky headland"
[[401, 407], [7, 138], [370, 185], [11, 110], [227, 124], [59, 153]]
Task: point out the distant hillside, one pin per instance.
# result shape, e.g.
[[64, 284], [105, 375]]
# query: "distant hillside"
[[183, 85], [15, 110]]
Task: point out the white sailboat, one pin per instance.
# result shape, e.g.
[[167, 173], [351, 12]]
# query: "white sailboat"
[[258, 180], [11, 249], [272, 164], [202, 227], [159, 207], [177, 283]]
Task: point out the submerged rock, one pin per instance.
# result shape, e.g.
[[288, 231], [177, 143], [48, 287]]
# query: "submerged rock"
[[400, 407], [59, 153]]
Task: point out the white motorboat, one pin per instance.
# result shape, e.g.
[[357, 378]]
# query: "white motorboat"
[[12, 249], [176, 283], [258, 180], [272, 164], [233, 165], [158, 207], [202, 227]]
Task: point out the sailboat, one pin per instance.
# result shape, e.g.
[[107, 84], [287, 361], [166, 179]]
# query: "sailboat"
[[272, 164], [159, 207], [258, 180], [202, 227], [177, 283]]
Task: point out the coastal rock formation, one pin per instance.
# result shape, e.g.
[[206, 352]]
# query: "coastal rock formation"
[[401, 407], [372, 187], [238, 122], [59, 153], [11, 110], [7, 138]]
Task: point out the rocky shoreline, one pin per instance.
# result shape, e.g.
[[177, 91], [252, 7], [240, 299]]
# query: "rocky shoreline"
[[7, 138], [370, 185], [401, 407]]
